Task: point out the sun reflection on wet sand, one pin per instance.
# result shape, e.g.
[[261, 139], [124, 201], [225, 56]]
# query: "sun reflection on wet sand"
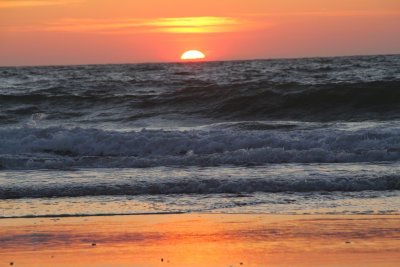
[[201, 240]]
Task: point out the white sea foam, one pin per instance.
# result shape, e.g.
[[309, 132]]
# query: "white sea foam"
[[31, 148]]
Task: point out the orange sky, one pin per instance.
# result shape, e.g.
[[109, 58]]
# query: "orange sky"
[[43, 32]]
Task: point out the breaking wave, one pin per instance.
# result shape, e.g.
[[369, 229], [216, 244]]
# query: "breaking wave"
[[57, 147]]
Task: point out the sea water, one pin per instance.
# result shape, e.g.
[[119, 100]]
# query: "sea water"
[[288, 136]]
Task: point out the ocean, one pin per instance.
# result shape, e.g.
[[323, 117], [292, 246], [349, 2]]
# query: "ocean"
[[282, 136]]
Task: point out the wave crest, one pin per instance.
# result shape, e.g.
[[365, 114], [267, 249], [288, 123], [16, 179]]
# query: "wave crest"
[[25, 148]]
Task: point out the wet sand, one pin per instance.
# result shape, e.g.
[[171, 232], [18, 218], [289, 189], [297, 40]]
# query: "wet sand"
[[202, 240]]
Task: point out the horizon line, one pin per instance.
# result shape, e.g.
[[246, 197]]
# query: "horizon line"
[[194, 62]]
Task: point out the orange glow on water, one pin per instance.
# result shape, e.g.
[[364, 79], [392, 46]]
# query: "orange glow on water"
[[201, 240]]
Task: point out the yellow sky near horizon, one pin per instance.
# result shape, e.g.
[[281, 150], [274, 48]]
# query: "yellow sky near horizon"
[[41, 32]]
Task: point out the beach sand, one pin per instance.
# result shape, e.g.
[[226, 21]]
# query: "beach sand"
[[202, 240]]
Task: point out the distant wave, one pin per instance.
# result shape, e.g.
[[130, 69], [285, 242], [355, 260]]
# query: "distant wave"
[[296, 101], [57, 147], [253, 100], [353, 88]]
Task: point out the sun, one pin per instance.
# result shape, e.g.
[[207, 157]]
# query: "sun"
[[192, 55]]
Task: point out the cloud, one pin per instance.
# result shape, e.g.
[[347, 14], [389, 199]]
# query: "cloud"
[[161, 25], [34, 3], [358, 13], [195, 24]]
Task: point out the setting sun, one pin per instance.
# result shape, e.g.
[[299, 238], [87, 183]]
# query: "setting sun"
[[192, 55]]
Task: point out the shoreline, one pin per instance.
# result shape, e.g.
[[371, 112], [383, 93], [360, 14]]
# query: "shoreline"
[[201, 239], [61, 216]]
